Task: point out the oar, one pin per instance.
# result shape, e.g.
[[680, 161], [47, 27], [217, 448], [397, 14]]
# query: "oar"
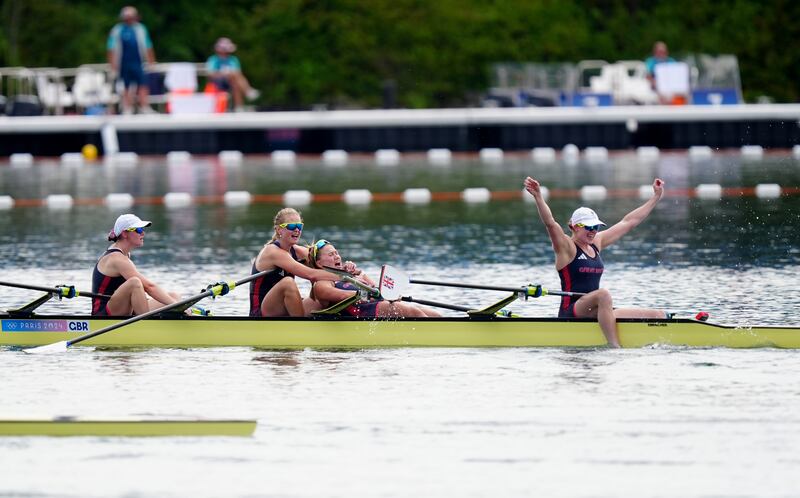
[[526, 290], [67, 291], [218, 289]]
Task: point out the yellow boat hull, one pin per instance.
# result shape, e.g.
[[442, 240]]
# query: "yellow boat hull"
[[297, 333], [125, 427]]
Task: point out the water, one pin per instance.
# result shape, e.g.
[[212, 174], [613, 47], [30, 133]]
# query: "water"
[[420, 422]]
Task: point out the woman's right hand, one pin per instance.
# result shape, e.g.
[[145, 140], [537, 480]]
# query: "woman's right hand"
[[532, 186]]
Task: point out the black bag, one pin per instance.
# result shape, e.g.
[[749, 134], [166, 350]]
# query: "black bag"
[[24, 105]]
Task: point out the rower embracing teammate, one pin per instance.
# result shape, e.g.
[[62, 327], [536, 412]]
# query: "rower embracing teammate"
[[276, 293], [116, 275], [579, 263]]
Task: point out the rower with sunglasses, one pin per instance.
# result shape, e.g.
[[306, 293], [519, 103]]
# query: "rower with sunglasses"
[[276, 293], [116, 275], [323, 253], [579, 263]]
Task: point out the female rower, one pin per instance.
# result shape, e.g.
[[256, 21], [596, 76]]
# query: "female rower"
[[276, 293], [117, 276], [323, 294], [579, 263]]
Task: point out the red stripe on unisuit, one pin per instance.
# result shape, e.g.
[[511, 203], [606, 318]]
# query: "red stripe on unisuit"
[[567, 287]]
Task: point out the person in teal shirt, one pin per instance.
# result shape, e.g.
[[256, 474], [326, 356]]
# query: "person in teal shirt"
[[225, 72], [660, 55], [128, 48]]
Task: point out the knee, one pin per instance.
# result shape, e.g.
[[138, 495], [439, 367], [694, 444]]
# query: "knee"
[[135, 282], [289, 286], [604, 299]]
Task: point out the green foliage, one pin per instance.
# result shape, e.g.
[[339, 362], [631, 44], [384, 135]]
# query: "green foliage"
[[343, 52]]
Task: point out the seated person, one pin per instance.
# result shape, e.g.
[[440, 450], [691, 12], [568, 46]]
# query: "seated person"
[[225, 72], [660, 55], [326, 293]]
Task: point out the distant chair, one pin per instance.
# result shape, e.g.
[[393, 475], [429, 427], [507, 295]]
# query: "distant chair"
[[52, 91], [181, 82], [91, 89]]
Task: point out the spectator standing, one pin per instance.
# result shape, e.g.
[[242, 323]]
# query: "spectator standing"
[[129, 48], [225, 72]]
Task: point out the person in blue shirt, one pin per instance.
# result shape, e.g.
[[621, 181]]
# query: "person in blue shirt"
[[225, 72], [128, 48], [660, 55]]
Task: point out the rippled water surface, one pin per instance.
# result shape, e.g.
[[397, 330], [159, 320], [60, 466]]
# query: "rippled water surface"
[[420, 422]]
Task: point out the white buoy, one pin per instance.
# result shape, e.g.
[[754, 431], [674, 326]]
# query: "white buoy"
[[387, 157], [700, 152], [230, 157], [123, 158], [709, 191], [178, 156], [237, 198], [6, 202], [544, 155], [283, 157], [175, 200], [72, 159], [768, 190], [528, 197], [21, 160], [440, 157], [645, 191], [752, 152], [417, 196], [595, 155], [297, 198], [335, 157], [476, 195], [119, 200], [796, 151], [647, 153], [570, 154], [357, 196], [59, 201], [491, 155], [594, 193]]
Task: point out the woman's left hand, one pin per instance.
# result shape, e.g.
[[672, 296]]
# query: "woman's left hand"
[[351, 268]]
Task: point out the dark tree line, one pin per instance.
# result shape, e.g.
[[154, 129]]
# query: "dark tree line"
[[436, 53]]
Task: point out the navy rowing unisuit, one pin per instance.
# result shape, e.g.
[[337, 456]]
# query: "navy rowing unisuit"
[[262, 285], [367, 309], [582, 274], [103, 284]]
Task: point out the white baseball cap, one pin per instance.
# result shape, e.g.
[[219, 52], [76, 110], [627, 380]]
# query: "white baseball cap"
[[127, 221], [585, 216]]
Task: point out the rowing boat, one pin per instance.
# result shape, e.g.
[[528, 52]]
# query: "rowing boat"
[[125, 426], [349, 332]]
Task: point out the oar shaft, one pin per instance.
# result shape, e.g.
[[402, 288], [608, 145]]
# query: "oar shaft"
[[53, 290], [436, 304], [490, 287]]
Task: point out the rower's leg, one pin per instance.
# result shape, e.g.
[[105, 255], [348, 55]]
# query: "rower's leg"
[[155, 304], [639, 313], [129, 299], [283, 299], [599, 304], [397, 309]]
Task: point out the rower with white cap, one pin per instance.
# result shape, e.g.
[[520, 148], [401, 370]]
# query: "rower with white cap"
[[579, 263], [116, 275]]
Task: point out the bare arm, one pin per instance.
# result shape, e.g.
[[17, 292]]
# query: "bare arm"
[[274, 257], [127, 269], [562, 245], [632, 219], [325, 291]]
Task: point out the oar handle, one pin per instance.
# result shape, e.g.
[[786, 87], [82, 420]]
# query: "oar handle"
[[58, 291]]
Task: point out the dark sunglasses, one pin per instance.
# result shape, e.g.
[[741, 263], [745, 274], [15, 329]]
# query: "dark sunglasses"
[[317, 246], [591, 228], [139, 230]]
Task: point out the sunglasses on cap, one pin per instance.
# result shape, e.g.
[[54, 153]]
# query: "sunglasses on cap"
[[317, 247], [292, 226], [138, 230], [589, 228]]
